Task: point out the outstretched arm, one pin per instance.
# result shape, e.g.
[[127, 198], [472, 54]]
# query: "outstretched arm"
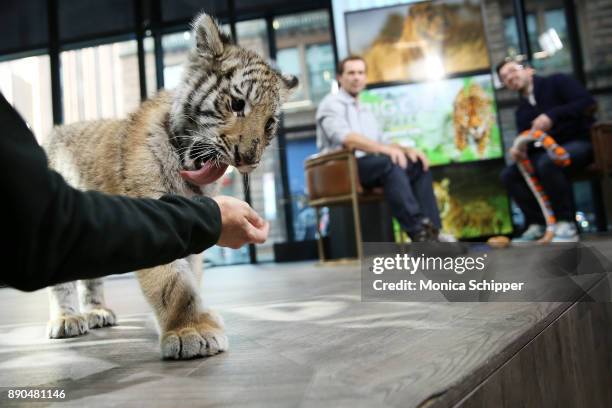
[[54, 233]]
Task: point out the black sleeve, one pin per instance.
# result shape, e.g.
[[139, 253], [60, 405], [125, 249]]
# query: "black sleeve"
[[576, 98], [523, 121], [54, 233]]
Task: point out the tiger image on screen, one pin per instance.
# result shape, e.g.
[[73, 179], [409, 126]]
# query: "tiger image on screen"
[[466, 218], [472, 118], [450, 34]]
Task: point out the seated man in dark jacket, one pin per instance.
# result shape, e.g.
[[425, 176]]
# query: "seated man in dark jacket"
[[560, 106]]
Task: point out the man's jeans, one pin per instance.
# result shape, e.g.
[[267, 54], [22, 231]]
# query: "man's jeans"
[[553, 179], [409, 191]]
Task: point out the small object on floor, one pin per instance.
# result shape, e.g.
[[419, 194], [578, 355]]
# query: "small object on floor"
[[499, 242], [446, 237]]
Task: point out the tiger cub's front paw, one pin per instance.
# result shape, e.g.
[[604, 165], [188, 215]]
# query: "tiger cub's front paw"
[[100, 317], [204, 338], [67, 326]]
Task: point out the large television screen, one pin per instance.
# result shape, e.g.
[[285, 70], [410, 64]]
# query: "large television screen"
[[418, 41], [451, 121]]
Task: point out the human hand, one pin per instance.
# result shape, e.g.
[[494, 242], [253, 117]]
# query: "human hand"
[[397, 155], [517, 154], [240, 224], [542, 122], [415, 155]]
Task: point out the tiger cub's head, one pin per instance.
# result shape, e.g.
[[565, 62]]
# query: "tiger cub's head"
[[226, 108]]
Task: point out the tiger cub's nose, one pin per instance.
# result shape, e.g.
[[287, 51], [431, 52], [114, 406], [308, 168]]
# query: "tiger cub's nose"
[[246, 158]]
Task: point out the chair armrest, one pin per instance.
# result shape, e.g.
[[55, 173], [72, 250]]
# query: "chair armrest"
[[339, 154], [328, 174]]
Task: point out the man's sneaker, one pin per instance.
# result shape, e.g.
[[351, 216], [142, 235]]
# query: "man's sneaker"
[[446, 237], [566, 231], [532, 233]]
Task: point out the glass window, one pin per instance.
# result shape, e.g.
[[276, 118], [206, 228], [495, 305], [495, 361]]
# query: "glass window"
[[100, 82], [550, 19], [595, 26], [288, 60], [149, 47], [512, 38], [266, 198], [321, 72], [299, 147], [176, 48], [26, 84], [253, 35], [585, 206], [304, 50], [541, 18], [561, 61]]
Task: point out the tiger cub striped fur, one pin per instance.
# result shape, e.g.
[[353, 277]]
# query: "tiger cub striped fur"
[[224, 112]]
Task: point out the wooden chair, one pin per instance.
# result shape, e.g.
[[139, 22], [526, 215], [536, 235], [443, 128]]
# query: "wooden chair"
[[332, 179], [601, 135], [599, 171]]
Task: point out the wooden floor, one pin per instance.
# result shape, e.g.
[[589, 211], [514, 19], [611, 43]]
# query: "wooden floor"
[[299, 336]]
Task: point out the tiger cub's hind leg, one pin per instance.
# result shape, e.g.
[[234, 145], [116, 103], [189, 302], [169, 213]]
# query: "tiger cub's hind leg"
[[93, 307], [65, 319]]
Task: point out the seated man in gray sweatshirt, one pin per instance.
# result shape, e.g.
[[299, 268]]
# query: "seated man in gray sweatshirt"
[[401, 172]]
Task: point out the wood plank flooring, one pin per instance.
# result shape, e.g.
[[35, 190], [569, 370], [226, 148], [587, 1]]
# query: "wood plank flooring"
[[299, 336]]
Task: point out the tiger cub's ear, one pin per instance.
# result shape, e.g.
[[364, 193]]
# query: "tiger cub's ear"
[[289, 84], [209, 38]]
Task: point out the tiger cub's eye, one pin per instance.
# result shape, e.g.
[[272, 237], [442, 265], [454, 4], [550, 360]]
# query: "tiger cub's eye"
[[269, 125], [237, 105]]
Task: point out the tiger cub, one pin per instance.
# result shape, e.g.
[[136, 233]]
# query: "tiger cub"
[[224, 112]]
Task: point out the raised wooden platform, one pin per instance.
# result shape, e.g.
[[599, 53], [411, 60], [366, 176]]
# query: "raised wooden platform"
[[300, 336]]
